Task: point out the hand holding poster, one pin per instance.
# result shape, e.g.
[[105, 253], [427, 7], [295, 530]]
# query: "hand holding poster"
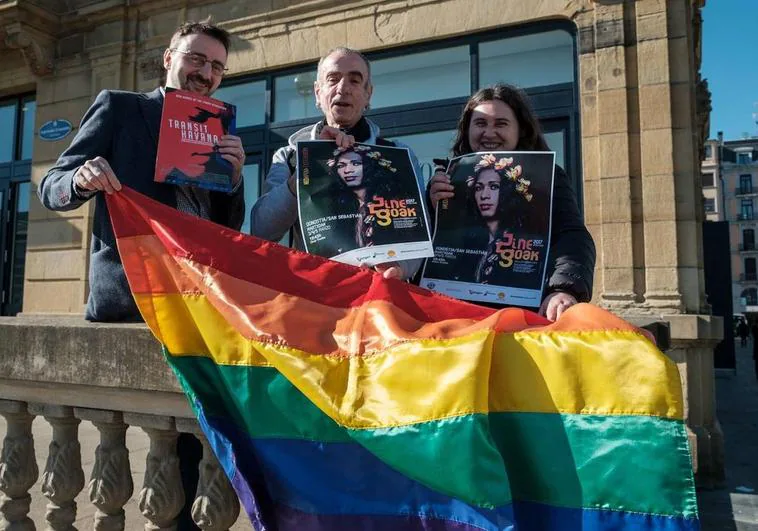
[[492, 238], [188, 153], [361, 205]]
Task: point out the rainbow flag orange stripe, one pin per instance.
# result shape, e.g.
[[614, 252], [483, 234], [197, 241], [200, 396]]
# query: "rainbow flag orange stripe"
[[336, 399]]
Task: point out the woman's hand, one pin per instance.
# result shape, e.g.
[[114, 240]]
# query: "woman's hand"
[[555, 304], [440, 188], [343, 140]]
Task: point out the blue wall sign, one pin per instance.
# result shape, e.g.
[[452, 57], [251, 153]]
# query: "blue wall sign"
[[55, 129]]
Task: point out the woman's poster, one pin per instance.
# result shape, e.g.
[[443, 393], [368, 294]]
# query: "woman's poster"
[[492, 238], [361, 205]]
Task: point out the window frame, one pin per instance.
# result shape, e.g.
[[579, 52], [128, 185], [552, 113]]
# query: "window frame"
[[12, 175], [551, 102], [746, 183]]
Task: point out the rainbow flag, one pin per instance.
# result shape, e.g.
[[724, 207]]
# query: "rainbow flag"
[[338, 400]]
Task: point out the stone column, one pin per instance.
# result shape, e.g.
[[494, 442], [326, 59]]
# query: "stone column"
[[110, 485], [693, 338], [162, 497], [610, 138], [18, 467], [63, 477], [216, 506]]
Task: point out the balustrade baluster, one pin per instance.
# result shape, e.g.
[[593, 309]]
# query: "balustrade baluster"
[[63, 477], [18, 467], [162, 497], [216, 506], [110, 485]]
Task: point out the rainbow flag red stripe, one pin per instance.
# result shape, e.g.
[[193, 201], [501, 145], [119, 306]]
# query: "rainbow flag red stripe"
[[336, 399]]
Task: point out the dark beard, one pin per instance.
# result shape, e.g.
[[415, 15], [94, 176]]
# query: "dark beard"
[[198, 80]]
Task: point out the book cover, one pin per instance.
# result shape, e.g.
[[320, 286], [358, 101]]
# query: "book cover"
[[191, 126], [492, 237], [361, 205]]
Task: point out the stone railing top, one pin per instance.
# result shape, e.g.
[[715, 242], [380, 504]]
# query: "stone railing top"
[[69, 361], [73, 351]]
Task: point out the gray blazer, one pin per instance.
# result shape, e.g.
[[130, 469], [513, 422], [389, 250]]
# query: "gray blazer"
[[121, 127]]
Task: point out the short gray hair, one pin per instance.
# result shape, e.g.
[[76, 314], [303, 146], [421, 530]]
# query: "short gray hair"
[[344, 50]]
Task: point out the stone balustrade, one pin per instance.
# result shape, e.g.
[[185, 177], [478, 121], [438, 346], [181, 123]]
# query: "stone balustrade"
[[66, 370], [113, 375]]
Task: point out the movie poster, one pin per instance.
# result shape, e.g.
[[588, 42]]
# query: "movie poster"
[[361, 205], [191, 126], [492, 238]]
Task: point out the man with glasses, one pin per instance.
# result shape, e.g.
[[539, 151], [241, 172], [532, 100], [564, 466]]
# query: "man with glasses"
[[117, 144]]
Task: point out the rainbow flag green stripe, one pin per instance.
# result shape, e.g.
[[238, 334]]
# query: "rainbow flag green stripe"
[[555, 459]]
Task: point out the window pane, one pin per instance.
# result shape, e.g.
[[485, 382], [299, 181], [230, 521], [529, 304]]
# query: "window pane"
[[528, 61], [19, 247], [28, 111], [418, 77], [250, 99], [7, 132], [557, 142], [252, 174], [707, 179], [428, 146], [293, 97]]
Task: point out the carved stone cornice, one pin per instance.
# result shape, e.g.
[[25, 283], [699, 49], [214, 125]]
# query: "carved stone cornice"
[[38, 51], [32, 30]]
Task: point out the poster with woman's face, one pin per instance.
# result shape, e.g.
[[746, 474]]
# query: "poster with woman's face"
[[360, 205], [492, 237]]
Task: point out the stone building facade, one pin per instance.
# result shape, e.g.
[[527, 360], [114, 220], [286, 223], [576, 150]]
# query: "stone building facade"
[[616, 84], [730, 189]]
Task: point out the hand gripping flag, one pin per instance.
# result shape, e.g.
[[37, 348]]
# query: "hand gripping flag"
[[336, 399]]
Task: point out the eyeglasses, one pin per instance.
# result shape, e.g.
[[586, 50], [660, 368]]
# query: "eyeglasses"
[[198, 60]]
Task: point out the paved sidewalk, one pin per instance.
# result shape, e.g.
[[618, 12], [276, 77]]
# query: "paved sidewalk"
[[725, 509], [728, 509]]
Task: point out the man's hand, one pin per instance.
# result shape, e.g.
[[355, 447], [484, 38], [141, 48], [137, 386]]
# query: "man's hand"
[[96, 175], [389, 270], [343, 140], [555, 304], [440, 188], [231, 150]]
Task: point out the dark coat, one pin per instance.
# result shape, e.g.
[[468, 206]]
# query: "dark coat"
[[121, 127], [572, 252]]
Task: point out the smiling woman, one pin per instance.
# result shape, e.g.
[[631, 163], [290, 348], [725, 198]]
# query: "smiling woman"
[[500, 118]]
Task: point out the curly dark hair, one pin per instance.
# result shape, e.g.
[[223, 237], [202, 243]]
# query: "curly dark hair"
[[511, 211], [530, 139], [376, 181]]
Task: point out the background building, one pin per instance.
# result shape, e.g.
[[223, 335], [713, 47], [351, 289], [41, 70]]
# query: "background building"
[[730, 193]]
